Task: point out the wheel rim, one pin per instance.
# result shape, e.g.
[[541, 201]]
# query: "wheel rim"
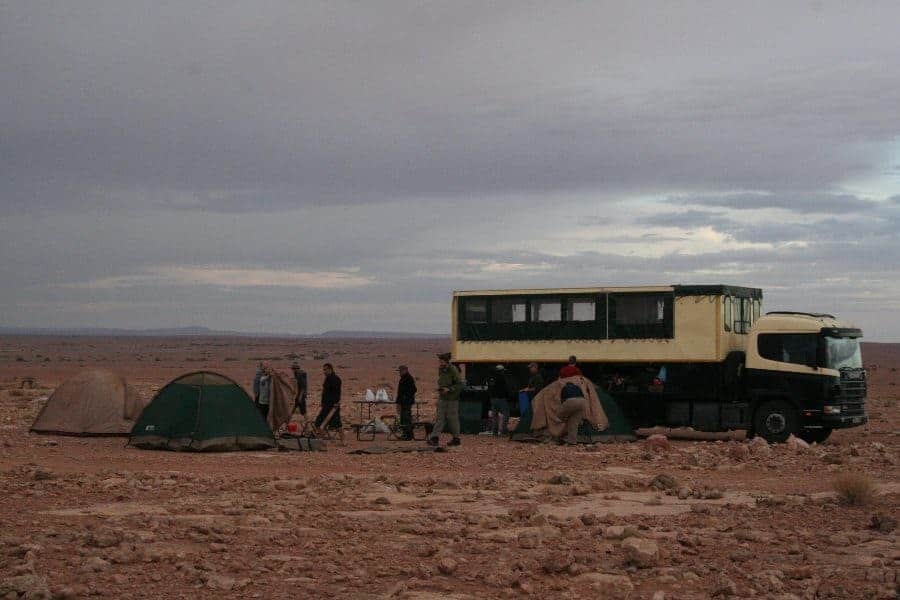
[[776, 423]]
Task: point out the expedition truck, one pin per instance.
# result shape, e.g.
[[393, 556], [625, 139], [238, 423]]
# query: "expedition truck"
[[700, 356]]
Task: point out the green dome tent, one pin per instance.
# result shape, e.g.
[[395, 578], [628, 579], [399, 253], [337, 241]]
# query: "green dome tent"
[[619, 429], [201, 411]]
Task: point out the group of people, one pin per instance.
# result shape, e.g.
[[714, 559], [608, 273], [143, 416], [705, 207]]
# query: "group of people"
[[449, 387]]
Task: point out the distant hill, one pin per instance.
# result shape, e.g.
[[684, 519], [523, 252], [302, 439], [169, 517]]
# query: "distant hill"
[[379, 335], [207, 332], [107, 331]]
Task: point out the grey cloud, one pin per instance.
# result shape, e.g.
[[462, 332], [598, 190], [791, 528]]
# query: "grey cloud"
[[796, 202], [248, 110], [433, 147]]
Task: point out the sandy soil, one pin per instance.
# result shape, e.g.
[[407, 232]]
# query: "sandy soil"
[[491, 519]]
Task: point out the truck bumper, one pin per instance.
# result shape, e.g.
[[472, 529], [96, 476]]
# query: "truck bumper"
[[835, 421]]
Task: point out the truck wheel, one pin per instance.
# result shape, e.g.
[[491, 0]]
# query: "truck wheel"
[[815, 435], [775, 421]]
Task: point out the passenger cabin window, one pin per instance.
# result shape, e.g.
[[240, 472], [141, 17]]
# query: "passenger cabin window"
[[640, 316], [507, 310], [581, 309], [794, 348], [639, 310], [727, 309], [757, 309], [744, 317], [475, 311], [548, 309]]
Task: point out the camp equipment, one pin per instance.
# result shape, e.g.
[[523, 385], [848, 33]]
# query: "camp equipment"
[[201, 411], [619, 428], [95, 402]]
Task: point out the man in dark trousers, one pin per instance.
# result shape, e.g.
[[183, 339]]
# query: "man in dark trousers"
[[331, 398], [449, 386], [406, 397], [300, 379], [498, 390]]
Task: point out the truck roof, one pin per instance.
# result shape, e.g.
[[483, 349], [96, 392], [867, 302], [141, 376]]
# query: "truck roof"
[[800, 322], [679, 290]]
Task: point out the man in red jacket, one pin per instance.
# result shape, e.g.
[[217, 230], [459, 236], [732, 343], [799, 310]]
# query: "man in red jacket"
[[571, 369]]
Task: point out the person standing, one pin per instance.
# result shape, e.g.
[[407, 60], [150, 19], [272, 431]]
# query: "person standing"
[[571, 369], [535, 384], [264, 393], [449, 387], [406, 397], [331, 398], [256, 379], [498, 390], [300, 379]]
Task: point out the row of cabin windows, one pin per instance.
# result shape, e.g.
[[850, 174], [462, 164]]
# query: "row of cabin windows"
[[740, 313], [597, 316], [545, 310]]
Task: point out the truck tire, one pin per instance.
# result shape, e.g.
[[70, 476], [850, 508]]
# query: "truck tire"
[[815, 435], [775, 421]]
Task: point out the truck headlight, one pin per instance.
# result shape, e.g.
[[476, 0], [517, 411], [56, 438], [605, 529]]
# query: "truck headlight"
[[831, 410]]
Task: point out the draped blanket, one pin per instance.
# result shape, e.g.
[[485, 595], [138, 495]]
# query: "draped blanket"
[[281, 404], [546, 407]]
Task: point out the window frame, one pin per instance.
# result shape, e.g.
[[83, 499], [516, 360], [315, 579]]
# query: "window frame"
[[664, 329], [558, 300], [816, 348], [512, 300], [727, 313]]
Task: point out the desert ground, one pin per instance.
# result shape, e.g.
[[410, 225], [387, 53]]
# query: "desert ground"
[[675, 518]]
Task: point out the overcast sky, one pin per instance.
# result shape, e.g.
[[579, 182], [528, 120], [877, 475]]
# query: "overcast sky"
[[300, 166]]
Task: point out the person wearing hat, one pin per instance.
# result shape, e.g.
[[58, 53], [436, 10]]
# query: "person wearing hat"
[[449, 387], [535, 380], [300, 379], [498, 390], [406, 397]]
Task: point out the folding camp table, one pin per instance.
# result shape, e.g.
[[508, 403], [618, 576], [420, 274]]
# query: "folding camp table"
[[394, 427]]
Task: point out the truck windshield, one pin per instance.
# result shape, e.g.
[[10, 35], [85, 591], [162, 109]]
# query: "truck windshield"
[[843, 353]]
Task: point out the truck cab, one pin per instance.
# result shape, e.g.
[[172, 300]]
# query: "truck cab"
[[803, 375]]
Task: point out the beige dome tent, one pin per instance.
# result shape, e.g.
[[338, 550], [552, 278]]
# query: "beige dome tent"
[[92, 403]]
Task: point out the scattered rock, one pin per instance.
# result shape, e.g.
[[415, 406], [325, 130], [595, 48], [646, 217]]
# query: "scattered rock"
[[620, 532], [104, 538], [657, 443], [883, 523], [529, 539], [64, 593], [796, 444], [41, 475], [712, 494], [759, 447], [113, 482], [588, 519], [723, 587], [219, 582], [447, 566], [580, 490], [30, 587], [640, 552], [664, 481], [609, 585], [382, 500], [739, 452], [560, 479], [556, 562], [94, 564]]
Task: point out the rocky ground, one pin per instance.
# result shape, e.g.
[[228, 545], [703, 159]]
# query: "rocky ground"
[[658, 518]]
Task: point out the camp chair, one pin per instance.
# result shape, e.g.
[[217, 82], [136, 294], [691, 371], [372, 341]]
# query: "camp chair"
[[324, 433]]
